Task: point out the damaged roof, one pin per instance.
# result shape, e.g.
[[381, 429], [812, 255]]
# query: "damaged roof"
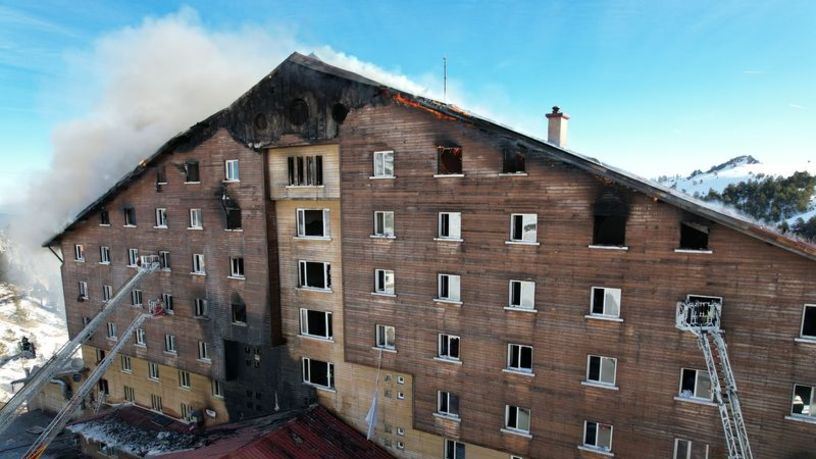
[[385, 94]]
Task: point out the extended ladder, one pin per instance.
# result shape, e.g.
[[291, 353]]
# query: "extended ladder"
[[703, 319], [57, 362]]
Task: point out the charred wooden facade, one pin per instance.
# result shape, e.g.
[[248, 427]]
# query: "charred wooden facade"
[[595, 228]]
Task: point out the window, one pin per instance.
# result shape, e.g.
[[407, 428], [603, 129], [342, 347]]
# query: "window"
[[184, 379], [156, 402], [203, 351], [170, 343], [186, 411], [161, 218], [196, 219], [198, 263], [130, 216], [448, 347], [217, 388], [384, 164], [233, 219], [601, 370], [448, 287], [447, 404], [523, 228], [605, 302], [130, 394], [79, 252], [448, 160], [386, 337], [313, 223], [520, 358], [513, 161], [111, 330], [104, 255], [517, 419], [140, 337], [522, 294], [316, 323], [201, 308], [104, 217], [239, 315], [318, 373], [695, 384], [133, 257], [598, 436], [237, 267], [686, 449], [83, 290], [609, 225], [384, 224], [384, 281], [231, 170], [450, 226], [103, 387], [191, 172], [802, 401], [167, 300], [454, 449], [153, 370], [164, 260], [100, 355], [136, 297], [305, 170], [809, 321], [107, 292], [314, 274], [127, 365], [161, 175], [693, 236]]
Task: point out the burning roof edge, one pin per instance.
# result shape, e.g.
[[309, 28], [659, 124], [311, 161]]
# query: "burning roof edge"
[[449, 111]]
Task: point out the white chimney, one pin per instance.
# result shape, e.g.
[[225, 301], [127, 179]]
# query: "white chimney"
[[557, 128]]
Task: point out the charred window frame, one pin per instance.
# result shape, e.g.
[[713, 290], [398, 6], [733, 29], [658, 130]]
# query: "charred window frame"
[[129, 214], [448, 160], [610, 214], [191, 172], [232, 211], [104, 218], [161, 177], [239, 313], [305, 170], [514, 161], [694, 236]]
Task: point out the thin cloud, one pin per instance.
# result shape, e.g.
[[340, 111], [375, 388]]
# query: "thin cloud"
[[753, 72], [797, 106]]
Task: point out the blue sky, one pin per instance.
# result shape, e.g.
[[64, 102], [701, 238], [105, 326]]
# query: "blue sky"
[[654, 87]]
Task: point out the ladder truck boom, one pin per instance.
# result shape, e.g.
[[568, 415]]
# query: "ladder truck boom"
[[56, 363], [61, 419]]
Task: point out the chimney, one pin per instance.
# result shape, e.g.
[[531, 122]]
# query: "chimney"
[[557, 128]]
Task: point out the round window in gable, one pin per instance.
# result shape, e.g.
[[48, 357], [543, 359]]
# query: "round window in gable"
[[260, 121], [339, 113], [298, 112]]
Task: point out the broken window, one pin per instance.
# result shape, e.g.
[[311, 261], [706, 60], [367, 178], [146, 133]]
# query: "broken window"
[[605, 302], [520, 358], [449, 160], [601, 370], [522, 294], [203, 351], [802, 401], [610, 214], [693, 236], [447, 404], [130, 216], [79, 252], [695, 384], [513, 161], [318, 373], [198, 264], [316, 323], [809, 321], [231, 173], [384, 164], [170, 344], [161, 175], [384, 281], [233, 219], [385, 337], [104, 217], [449, 287], [164, 260], [448, 347], [686, 449], [196, 219], [598, 436], [237, 267], [517, 419], [454, 449], [200, 307], [191, 174], [102, 386], [313, 223], [239, 314], [523, 228], [305, 170], [450, 226], [384, 224], [104, 255], [100, 355], [312, 274]]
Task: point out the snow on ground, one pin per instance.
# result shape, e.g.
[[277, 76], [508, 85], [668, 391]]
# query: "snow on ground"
[[133, 440], [45, 328]]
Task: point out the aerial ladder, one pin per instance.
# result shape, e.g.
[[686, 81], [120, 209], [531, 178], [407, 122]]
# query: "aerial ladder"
[[56, 363], [61, 419], [702, 318]]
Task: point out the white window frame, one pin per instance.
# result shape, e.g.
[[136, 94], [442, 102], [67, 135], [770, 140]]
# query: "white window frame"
[[519, 410], [196, 219], [136, 297], [111, 331], [156, 403], [237, 268], [164, 260], [133, 257], [443, 337], [454, 286], [516, 366], [170, 344], [203, 351], [453, 443], [126, 364], [526, 295], [327, 324], [140, 337], [303, 276], [697, 376], [811, 412], [167, 299], [153, 371], [232, 171], [802, 325], [617, 294], [388, 284], [201, 308], [198, 264], [379, 160], [83, 290], [381, 335], [104, 255], [184, 379], [595, 447], [306, 368], [454, 225], [528, 237], [689, 449], [217, 388], [161, 217], [107, 293], [445, 396], [601, 360], [79, 252], [130, 394], [301, 224], [382, 232]]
